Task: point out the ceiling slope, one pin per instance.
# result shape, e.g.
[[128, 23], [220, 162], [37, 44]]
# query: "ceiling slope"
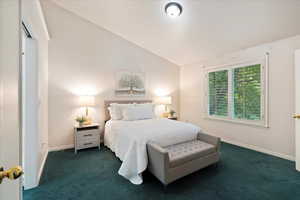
[[206, 28]]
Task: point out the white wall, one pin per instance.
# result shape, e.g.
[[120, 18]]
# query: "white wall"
[[279, 138], [9, 94], [83, 58], [33, 17]]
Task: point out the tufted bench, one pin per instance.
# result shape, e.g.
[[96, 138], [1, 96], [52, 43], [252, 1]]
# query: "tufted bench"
[[173, 162]]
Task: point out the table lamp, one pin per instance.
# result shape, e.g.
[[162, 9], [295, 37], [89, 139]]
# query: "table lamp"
[[165, 100], [87, 101]]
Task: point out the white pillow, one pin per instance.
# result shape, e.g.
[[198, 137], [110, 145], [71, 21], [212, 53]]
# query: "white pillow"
[[115, 110], [114, 115], [148, 108], [138, 112]]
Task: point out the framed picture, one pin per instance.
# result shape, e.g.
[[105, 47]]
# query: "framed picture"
[[130, 84]]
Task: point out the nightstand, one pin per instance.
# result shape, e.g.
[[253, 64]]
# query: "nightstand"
[[87, 136], [172, 118]]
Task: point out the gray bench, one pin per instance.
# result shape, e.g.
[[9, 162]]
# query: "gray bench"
[[173, 162]]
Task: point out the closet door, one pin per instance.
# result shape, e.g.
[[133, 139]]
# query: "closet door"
[[30, 112]]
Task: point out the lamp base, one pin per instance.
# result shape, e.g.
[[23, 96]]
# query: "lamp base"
[[165, 115], [88, 121]]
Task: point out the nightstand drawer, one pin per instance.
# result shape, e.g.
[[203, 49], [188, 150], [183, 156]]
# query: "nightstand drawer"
[[87, 139], [87, 134], [88, 144]]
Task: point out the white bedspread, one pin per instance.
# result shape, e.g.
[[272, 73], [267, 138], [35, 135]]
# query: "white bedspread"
[[128, 140]]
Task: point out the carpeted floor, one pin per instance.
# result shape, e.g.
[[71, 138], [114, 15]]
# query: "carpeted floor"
[[241, 175]]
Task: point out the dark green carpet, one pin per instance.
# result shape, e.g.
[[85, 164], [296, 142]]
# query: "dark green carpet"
[[241, 175]]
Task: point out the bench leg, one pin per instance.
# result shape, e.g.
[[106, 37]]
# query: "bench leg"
[[216, 165], [165, 189]]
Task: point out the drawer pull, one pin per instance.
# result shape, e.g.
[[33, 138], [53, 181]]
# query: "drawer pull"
[[87, 135], [87, 143]]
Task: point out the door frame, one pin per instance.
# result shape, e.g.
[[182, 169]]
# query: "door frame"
[[30, 109], [297, 108]]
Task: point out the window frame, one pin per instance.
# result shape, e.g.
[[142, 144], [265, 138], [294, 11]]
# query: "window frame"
[[264, 112]]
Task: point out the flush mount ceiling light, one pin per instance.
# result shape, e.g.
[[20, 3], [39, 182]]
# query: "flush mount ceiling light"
[[173, 9]]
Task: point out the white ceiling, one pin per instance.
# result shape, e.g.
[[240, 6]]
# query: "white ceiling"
[[206, 28]]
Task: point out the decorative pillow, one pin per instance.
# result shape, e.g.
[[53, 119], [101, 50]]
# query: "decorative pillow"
[[115, 110], [114, 114], [138, 112], [148, 107]]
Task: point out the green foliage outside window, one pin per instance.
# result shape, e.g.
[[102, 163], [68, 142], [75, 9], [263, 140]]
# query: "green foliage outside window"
[[247, 92], [218, 93]]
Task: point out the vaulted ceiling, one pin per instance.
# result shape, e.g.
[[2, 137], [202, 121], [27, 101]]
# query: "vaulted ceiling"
[[206, 28]]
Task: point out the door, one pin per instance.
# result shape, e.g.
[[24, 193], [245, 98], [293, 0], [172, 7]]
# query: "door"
[[9, 95], [297, 116]]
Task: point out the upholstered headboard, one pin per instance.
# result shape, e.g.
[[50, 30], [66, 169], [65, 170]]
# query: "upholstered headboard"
[[108, 102]]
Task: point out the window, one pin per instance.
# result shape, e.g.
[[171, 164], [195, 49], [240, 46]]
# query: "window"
[[247, 92], [237, 93], [218, 93]]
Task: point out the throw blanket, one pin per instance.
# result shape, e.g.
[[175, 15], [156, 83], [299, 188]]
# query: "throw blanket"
[[128, 140]]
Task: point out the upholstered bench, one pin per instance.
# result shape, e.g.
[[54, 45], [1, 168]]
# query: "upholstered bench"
[[173, 162]]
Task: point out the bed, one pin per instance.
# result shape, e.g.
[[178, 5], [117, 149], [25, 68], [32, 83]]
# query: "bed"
[[128, 139]]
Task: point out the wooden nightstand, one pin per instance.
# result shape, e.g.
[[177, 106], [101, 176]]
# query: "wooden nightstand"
[[86, 136], [172, 118]]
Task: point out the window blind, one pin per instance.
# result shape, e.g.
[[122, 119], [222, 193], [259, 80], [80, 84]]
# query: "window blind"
[[247, 92], [218, 93]]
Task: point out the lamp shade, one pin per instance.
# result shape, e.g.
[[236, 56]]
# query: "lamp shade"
[[167, 100], [87, 101]]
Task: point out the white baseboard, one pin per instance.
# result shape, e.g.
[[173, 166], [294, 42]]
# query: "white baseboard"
[[61, 147], [259, 149], [247, 146], [42, 166]]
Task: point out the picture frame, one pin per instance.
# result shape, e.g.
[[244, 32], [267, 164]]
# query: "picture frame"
[[130, 84]]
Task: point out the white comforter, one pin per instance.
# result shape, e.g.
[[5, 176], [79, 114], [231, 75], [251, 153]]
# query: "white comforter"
[[128, 140]]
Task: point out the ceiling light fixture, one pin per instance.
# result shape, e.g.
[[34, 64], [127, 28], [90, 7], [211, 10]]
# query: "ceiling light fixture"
[[173, 9]]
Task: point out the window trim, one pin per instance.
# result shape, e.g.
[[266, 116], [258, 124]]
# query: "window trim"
[[264, 62]]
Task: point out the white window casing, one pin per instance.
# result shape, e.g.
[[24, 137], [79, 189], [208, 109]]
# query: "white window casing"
[[264, 95]]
